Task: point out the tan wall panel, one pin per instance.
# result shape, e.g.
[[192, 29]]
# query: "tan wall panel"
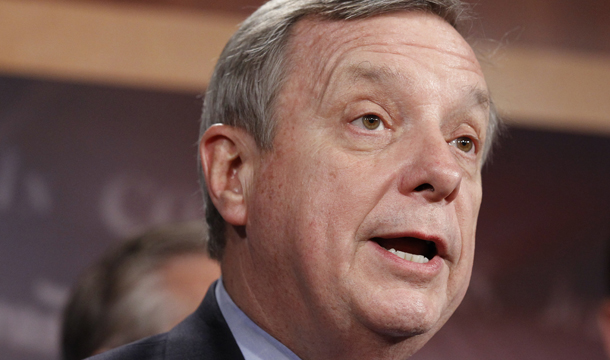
[[112, 43], [552, 89]]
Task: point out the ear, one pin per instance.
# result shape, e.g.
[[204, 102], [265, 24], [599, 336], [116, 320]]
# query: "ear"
[[604, 324], [227, 154]]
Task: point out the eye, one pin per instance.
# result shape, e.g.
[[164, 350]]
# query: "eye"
[[463, 143], [369, 122]]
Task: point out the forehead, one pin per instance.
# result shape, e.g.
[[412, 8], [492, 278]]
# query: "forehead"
[[403, 27], [322, 49]]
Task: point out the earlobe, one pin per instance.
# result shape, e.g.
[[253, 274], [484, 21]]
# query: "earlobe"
[[225, 151]]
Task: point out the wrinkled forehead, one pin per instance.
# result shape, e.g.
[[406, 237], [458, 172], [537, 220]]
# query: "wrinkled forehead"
[[316, 30], [320, 44], [319, 51]]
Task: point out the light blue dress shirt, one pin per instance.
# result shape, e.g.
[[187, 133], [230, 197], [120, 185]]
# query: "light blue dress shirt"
[[254, 342]]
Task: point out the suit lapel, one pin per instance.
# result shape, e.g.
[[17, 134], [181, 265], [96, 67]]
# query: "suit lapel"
[[203, 335]]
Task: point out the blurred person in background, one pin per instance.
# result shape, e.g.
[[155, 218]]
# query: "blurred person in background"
[[144, 286]]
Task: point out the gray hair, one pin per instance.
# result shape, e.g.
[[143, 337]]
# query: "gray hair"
[[123, 297], [251, 69]]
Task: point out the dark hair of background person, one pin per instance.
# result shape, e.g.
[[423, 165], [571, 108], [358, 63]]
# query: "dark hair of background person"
[[122, 297]]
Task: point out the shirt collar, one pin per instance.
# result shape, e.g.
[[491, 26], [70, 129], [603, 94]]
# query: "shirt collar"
[[254, 342]]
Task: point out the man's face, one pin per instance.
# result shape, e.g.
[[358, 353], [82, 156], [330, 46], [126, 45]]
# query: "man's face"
[[380, 128]]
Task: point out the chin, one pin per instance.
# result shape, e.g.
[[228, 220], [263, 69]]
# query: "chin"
[[411, 316], [405, 335]]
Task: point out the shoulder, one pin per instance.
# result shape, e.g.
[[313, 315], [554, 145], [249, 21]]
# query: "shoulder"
[[203, 335], [149, 348]]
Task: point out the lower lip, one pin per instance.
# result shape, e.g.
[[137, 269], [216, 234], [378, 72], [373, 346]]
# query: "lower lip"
[[426, 270]]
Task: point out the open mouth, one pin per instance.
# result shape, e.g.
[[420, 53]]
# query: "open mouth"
[[409, 248]]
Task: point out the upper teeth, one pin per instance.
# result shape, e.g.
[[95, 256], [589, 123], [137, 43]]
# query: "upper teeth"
[[411, 257]]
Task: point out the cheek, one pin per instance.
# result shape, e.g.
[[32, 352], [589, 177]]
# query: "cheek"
[[286, 202], [467, 212], [313, 205]]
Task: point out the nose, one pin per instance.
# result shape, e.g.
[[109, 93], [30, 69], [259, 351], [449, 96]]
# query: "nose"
[[432, 172]]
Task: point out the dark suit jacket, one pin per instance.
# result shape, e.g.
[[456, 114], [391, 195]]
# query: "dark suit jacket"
[[204, 335]]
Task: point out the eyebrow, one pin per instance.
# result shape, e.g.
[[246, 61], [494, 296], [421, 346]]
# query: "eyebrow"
[[383, 74], [363, 71], [379, 74], [481, 96]]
